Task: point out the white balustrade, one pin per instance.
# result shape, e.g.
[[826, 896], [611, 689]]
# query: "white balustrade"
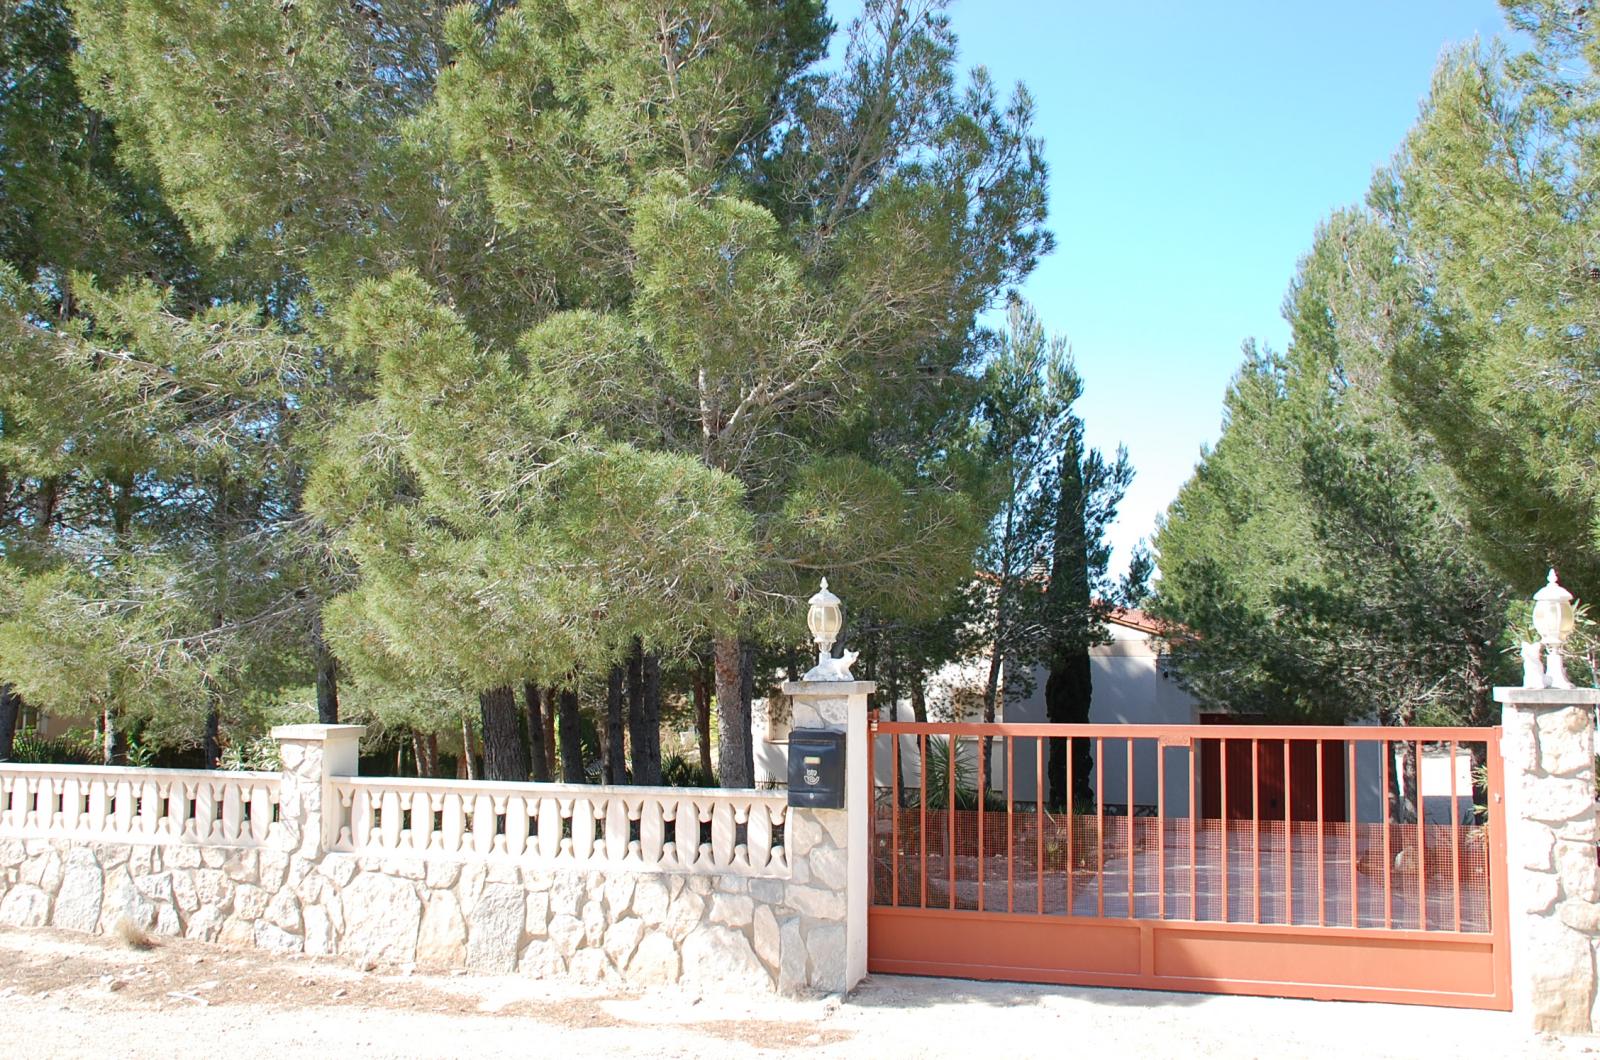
[[214, 807], [704, 831]]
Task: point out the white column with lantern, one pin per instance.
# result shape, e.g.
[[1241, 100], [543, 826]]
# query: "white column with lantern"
[[1547, 744], [829, 697]]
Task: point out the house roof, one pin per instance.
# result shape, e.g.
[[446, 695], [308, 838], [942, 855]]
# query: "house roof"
[[1134, 618]]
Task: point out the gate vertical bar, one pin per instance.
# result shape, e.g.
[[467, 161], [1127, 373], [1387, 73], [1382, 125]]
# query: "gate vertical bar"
[[1038, 825], [1255, 820], [1322, 847], [983, 798], [952, 750], [1422, 849], [1100, 826], [894, 824], [922, 783], [1355, 829], [1226, 855], [1161, 831], [1133, 854], [1455, 841], [1194, 832], [1388, 847], [1011, 831], [1288, 832]]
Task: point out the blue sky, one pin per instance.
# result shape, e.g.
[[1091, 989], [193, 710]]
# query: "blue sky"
[[1193, 147]]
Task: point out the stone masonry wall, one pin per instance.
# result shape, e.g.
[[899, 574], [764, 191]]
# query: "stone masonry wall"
[[638, 927], [1547, 745]]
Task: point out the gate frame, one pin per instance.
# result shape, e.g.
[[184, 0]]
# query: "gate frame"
[[1010, 946]]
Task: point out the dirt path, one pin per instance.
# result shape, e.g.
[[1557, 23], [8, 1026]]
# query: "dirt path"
[[73, 995]]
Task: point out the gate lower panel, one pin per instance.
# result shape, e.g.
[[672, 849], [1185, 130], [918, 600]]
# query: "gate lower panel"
[[1431, 968]]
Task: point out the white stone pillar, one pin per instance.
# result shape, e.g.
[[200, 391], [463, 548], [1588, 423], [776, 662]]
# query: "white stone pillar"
[[841, 706], [1547, 743], [308, 817]]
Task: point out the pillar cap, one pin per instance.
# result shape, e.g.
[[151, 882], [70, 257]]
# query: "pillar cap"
[[829, 689], [318, 733], [1547, 697]]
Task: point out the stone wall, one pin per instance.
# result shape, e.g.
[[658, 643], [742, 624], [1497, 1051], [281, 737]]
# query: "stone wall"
[[294, 894], [1547, 744]]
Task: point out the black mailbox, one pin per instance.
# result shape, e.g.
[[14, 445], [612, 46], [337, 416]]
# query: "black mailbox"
[[816, 769]]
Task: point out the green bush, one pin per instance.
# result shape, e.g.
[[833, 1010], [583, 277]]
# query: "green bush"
[[78, 747], [678, 772]]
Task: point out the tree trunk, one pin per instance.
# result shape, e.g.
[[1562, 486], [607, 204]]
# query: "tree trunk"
[[327, 676], [636, 738], [647, 763], [552, 698], [919, 697], [114, 743], [614, 762], [572, 771], [504, 756], [10, 708], [1067, 694], [733, 716], [537, 751], [747, 695], [213, 740], [467, 769], [426, 751], [702, 683]]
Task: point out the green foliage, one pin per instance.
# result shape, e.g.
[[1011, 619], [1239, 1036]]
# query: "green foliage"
[[1320, 565], [76, 747], [679, 772]]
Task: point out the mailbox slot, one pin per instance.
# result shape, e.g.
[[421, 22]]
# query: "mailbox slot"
[[816, 769]]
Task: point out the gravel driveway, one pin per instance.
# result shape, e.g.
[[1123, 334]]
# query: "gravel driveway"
[[75, 995]]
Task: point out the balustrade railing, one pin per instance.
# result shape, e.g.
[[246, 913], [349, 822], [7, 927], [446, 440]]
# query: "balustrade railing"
[[137, 805], [673, 829]]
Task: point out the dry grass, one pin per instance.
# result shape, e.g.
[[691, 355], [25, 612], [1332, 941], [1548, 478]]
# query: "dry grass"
[[132, 935]]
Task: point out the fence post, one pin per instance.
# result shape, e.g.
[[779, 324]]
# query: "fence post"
[[1548, 743], [841, 706], [312, 755]]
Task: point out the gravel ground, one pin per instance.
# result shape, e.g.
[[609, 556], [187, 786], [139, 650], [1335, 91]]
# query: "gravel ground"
[[75, 995]]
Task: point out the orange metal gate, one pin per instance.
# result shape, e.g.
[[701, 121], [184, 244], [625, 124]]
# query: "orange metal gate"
[[1344, 863]]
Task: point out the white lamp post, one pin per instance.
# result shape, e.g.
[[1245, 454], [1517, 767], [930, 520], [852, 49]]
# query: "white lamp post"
[[825, 619], [1554, 618]]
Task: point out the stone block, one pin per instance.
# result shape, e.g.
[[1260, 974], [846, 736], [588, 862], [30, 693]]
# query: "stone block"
[[382, 917], [793, 958], [271, 937], [655, 962], [830, 867], [443, 875], [618, 892], [240, 865], [1535, 848], [340, 868], [284, 911], [590, 966], [566, 893], [42, 870], [825, 950], [82, 889], [184, 857], [765, 935], [442, 937], [594, 922], [732, 910], [566, 934], [684, 915], [537, 913], [1540, 891], [319, 933], [212, 886], [1560, 978], [25, 906], [142, 861], [1580, 876], [542, 959], [494, 933], [205, 924], [817, 902], [272, 868], [183, 891], [722, 957], [769, 892], [473, 876], [1566, 741], [250, 901], [622, 938], [651, 900], [1554, 799]]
